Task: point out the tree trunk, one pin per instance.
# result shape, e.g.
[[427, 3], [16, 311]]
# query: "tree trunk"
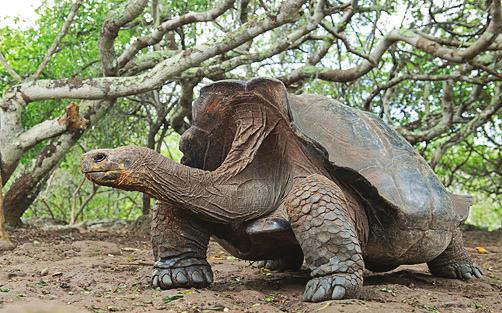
[[21, 195], [5, 243], [147, 206], [25, 189]]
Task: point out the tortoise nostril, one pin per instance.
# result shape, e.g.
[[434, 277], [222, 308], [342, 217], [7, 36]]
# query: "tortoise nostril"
[[99, 157]]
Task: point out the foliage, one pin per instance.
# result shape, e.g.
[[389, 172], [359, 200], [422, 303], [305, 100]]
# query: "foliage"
[[77, 55], [414, 106]]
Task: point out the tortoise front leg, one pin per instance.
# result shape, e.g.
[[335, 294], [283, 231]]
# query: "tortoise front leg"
[[179, 246], [323, 220]]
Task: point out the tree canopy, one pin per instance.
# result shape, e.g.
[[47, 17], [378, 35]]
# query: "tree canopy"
[[106, 73]]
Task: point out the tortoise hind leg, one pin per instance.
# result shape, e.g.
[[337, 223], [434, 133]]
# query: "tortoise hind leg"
[[276, 225], [379, 268], [454, 262], [323, 222], [292, 262], [179, 247]]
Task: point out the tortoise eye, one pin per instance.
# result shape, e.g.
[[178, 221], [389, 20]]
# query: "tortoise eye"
[[99, 157]]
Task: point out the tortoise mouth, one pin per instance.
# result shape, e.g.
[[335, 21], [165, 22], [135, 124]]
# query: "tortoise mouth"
[[103, 176], [100, 171]]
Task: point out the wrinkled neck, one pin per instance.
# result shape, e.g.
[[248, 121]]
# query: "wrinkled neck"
[[204, 194], [166, 180]]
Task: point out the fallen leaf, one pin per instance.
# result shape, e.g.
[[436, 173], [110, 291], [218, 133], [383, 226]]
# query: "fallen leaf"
[[481, 250], [389, 290], [173, 297], [270, 298], [324, 306], [128, 249]]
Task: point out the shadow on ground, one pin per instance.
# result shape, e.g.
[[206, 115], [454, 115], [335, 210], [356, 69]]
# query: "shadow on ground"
[[81, 271]]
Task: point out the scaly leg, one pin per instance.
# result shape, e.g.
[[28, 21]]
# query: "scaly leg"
[[325, 222], [454, 262], [179, 247]]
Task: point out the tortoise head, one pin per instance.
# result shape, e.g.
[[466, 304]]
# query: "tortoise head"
[[121, 168]]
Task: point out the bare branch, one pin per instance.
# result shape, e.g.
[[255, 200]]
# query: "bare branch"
[[86, 201], [114, 21], [455, 76], [167, 26], [9, 69], [442, 125], [411, 38], [292, 39], [57, 41], [456, 43], [481, 118], [346, 43], [111, 87], [42, 131], [51, 128], [74, 201], [185, 105], [488, 37]]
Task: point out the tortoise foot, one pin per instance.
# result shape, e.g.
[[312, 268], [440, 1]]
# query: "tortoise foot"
[[466, 270], [196, 276], [273, 265], [333, 287], [454, 262], [280, 265]]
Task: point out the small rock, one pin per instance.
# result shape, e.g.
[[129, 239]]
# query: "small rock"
[[44, 272], [128, 249], [15, 274], [113, 309]]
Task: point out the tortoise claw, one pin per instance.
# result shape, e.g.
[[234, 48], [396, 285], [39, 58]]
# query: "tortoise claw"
[[197, 276], [465, 271], [334, 287], [468, 271], [279, 265]]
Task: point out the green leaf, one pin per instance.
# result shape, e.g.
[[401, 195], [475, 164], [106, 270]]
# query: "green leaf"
[[173, 297]]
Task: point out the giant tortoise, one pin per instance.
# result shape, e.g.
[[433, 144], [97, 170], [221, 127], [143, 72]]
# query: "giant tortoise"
[[282, 178]]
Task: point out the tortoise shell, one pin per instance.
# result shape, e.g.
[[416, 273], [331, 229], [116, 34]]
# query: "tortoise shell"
[[396, 183], [377, 162]]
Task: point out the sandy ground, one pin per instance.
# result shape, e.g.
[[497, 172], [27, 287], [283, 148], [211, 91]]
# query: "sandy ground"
[[69, 271]]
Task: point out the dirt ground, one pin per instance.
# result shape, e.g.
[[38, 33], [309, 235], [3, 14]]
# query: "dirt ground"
[[72, 271]]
